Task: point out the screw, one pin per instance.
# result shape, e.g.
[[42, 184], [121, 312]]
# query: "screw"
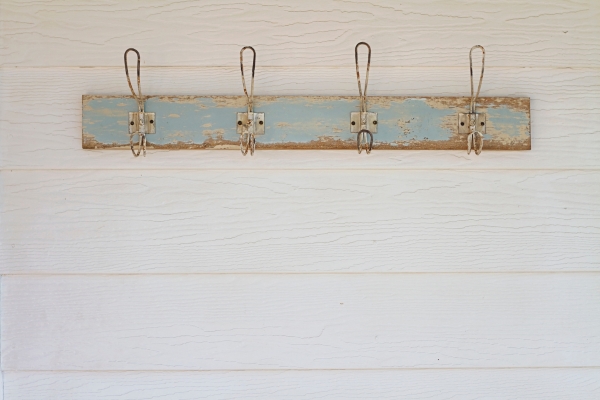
[[374, 122], [151, 121], [353, 123], [462, 124], [131, 123], [261, 122], [483, 123], [239, 122]]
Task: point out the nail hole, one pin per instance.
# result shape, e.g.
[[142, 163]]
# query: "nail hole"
[[131, 123], [239, 122], [462, 124], [353, 123]]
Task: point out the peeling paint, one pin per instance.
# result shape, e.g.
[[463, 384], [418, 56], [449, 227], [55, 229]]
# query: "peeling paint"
[[306, 122]]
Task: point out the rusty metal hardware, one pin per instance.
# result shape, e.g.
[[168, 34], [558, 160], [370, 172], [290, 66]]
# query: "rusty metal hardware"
[[361, 141], [249, 124], [474, 123], [464, 122], [363, 123], [140, 123], [360, 121], [148, 122]]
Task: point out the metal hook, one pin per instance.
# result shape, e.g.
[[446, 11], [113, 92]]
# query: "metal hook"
[[141, 132], [363, 123], [475, 136], [250, 97], [141, 144], [474, 98], [472, 142], [248, 130], [248, 144], [360, 140], [137, 97], [363, 96]]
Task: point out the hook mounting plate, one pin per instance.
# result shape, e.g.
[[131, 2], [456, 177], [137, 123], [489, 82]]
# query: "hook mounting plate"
[[258, 121], [149, 122], [464, 122], [370, 121]]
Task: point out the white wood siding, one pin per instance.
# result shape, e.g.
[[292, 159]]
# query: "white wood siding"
[[440, 384], [292, 274], [300, 321], [171, 221]]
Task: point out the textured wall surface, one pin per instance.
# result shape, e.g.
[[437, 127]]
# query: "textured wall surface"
[[299, 274]]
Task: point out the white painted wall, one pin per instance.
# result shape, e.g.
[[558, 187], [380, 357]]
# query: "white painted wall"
[[206, 275]]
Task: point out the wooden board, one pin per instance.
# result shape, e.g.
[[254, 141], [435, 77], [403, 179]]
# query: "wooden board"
[[316, 123], [300, 321], [41, 120], [434, 384], [315, 221]]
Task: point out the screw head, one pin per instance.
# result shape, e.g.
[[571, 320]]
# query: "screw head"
[[374, 122], [151, 121], [353, 123], [462, 124], [483, 123], [131, 123], [239, 122], [260, 122]]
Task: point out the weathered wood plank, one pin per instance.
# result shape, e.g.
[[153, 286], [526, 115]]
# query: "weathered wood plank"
[[300, 321], [437, 384], [317, 123], [41, 116]]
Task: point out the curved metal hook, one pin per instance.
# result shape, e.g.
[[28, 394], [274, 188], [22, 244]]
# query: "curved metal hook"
[[141, 144], [137, 97], [363, 96], [249, 145], [140, 101], [472, 142], [250, 98], [474, 98], [360, 139]]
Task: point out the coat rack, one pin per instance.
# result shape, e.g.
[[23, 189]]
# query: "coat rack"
[[306, 122]]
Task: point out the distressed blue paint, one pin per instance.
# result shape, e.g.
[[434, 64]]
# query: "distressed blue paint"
[[506, 120], [106, 119], [190, 125], [299, 122], [422, 121], [288, 119]]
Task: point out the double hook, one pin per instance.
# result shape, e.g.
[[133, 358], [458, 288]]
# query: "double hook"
[[247, 138], [475, 137], [141, 132], [361, 137]]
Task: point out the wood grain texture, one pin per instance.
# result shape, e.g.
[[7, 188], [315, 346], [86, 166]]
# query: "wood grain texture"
[[282, 321], [184, 33], [299, 221], [40, 117], [492, 384], [305, 122]]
